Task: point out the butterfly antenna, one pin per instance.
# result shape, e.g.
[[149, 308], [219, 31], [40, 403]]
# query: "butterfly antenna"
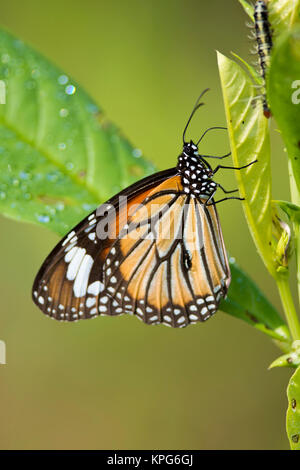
[[197, 105], [210, 129]]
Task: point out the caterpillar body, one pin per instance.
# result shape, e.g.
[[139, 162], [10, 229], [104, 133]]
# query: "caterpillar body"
[[263, 36]]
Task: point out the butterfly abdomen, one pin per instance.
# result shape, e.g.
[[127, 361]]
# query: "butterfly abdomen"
[[263, 36]]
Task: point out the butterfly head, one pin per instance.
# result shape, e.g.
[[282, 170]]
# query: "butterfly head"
[[190, 157], [190, 149]]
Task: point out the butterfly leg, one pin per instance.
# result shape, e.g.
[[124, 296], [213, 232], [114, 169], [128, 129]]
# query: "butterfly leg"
[[225, 190], [213, 156], [225, 199], [233, 167], [210, 197]]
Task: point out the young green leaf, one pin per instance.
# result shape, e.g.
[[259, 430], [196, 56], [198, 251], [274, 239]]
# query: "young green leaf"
[[252, 71], [59, 157], [293, 412], [286, 360], [248, 8], [291, 210], [246, 302], [249, 141], [291, 359], [283, 14]]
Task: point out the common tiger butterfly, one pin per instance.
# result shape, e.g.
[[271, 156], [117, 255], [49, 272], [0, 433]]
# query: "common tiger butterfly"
[[263, 38], [122, 258]]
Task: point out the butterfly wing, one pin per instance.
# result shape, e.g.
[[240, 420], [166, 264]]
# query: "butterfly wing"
[[70, 281], [162, 259], [169, 263]]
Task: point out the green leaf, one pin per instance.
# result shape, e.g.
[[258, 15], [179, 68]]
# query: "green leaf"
[[286, 360], [246, 302], [252, 71], [293, 412], [291, 210], [59, 157], [249, 9], [249, 140], [283, 14], [284, 94]]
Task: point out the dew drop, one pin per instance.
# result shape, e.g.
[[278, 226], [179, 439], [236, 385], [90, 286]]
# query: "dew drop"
[[62, 146], [52, 210], [60, 206], [15, 182], [23, 175], [63, 112], [35, 73], [69, 165], [2, 195], [52, 176], [137, 153], [43, 218], [92, 108], [70, 89], [87, 207], [27, 196], [63, 79]]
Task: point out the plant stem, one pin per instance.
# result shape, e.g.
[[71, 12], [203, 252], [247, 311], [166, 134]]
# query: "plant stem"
[[288, 306]]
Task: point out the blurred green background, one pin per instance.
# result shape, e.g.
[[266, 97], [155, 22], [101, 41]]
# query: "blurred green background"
[[114, 382]]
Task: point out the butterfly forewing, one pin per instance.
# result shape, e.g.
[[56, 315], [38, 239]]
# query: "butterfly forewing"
[[68, 285]]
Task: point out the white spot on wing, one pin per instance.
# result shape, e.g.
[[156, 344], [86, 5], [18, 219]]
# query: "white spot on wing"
[[90, 302], [82, 277], [75, 263], [95, 288]]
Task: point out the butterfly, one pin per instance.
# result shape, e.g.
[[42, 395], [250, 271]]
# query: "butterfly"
[[155, 250]]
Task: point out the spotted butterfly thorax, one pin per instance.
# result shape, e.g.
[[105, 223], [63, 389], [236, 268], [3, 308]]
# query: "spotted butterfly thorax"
[[263, 37], [155, 250], [196, 176]]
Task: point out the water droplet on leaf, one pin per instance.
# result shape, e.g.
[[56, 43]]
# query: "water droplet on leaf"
[[70, 89], [69, 165], [43, 218], [63, 112], [23, 175], [137, 153], [63, 79]]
